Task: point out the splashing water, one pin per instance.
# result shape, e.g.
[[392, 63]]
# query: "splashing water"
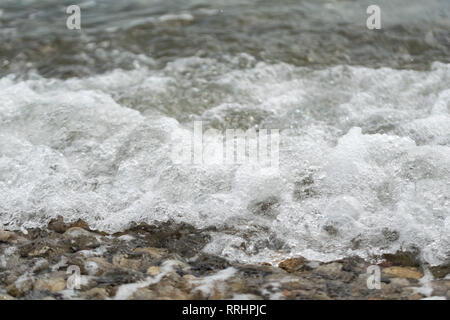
[[364, 162]]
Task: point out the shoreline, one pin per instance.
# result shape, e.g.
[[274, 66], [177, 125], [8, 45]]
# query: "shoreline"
[[147, 262]]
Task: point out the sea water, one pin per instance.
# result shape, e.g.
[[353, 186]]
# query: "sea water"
[[89, 119]]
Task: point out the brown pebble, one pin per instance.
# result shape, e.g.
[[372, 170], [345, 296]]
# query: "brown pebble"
[[292, 264], [404, 272]]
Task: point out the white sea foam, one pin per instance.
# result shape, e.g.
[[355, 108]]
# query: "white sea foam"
[[364, 155]]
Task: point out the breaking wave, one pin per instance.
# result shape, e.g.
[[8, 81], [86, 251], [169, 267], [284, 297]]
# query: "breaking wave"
[[364, 155]]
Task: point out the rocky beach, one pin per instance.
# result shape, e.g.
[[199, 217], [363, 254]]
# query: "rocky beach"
[[162, 262]]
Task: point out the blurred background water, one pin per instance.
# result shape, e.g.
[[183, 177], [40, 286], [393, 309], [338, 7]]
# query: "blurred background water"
[[33, 33]]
